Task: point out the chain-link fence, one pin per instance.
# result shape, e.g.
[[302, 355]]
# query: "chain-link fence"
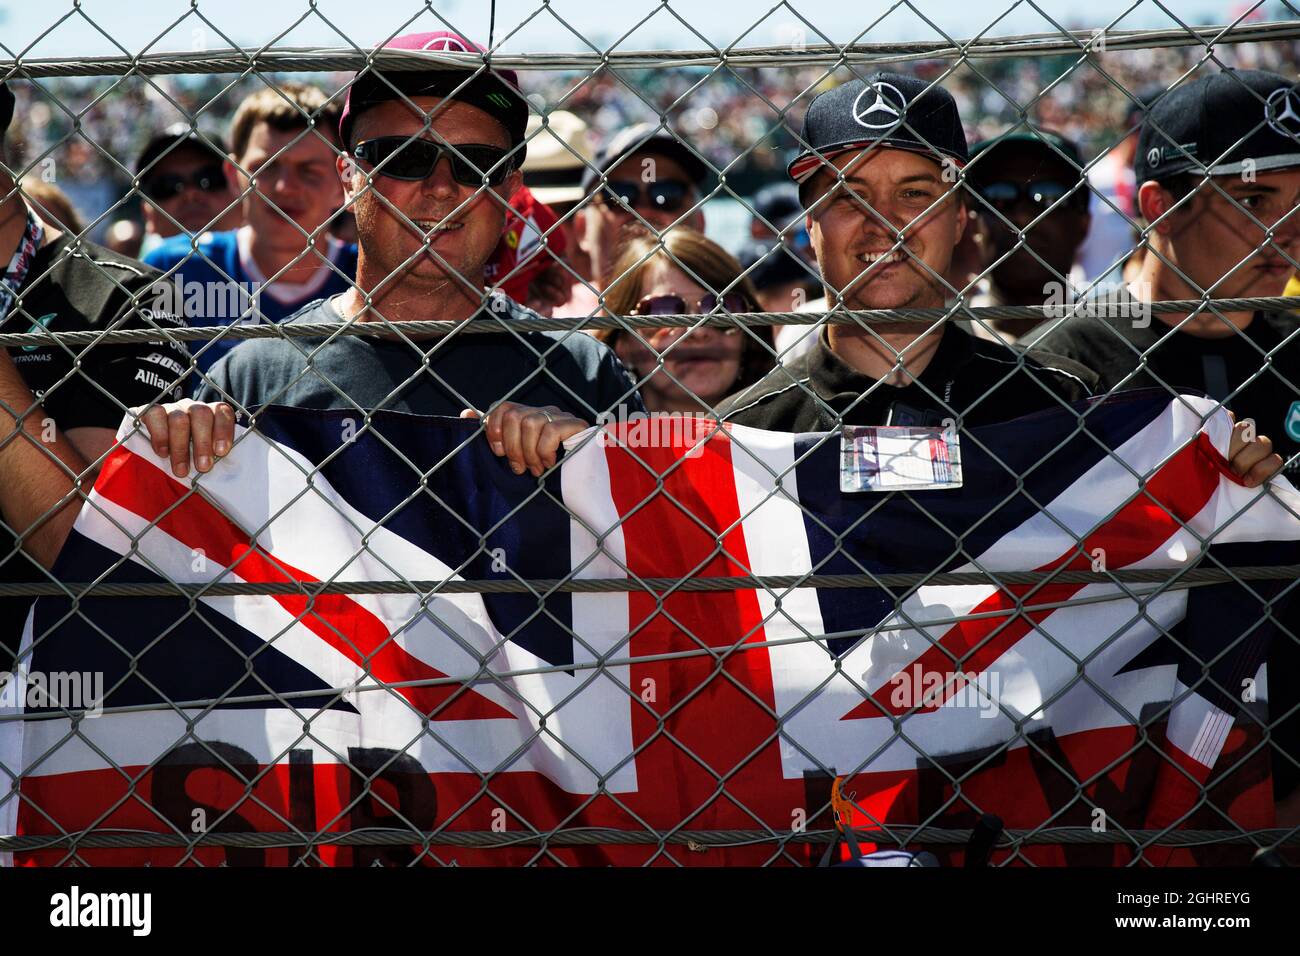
[[912, 515]]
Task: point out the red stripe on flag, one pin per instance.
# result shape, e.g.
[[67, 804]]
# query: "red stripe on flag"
[[1174, 495], [702, 725], [337, 619]]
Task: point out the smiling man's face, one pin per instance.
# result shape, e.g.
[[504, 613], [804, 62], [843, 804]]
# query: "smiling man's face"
[[906, 194], [464, 222]]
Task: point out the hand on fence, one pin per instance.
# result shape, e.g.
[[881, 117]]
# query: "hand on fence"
[[527, 436], [177, 428], [1251, 456]]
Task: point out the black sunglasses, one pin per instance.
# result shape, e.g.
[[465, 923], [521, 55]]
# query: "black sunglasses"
[[1042, 193], [400, 157], [667, 195], [676, 305], [209, 179]]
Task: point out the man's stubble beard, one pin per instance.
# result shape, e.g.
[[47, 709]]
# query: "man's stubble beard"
[[417, 268]]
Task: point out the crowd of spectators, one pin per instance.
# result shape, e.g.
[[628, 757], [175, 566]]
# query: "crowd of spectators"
[[83, 133]]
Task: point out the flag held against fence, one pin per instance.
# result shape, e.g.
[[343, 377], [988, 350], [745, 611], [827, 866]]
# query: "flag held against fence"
[[652, 712]]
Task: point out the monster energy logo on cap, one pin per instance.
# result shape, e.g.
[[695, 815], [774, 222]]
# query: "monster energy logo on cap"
[[500, 100]]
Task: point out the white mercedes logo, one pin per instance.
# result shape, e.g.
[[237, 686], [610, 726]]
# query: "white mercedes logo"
[[880, 113], [1282, 111], [1153, 156], [446, 44]]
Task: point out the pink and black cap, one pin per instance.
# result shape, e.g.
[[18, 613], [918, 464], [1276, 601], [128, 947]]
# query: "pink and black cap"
[[885, 109], [495, 92]]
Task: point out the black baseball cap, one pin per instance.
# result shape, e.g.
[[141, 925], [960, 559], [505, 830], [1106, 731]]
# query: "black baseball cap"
[[769, 266], [495, 92], [1049, 142], [649, 138], [172, 138], [888, 109], [1217, 123], [777, 204]]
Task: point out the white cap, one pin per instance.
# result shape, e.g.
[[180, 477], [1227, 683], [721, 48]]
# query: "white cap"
[[557, 157]]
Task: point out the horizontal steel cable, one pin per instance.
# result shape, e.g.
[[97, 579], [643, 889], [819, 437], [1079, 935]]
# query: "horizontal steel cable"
[[330, 60], [1170, 576], [298, 330], [902, 834]]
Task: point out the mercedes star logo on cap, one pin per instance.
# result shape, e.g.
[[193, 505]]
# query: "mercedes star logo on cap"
[[879, 108], [445, 45], [1282, 111]]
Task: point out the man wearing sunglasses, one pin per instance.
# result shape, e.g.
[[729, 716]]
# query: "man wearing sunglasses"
[[652, 182], [431, 163], [184, 187], [1027, 182]]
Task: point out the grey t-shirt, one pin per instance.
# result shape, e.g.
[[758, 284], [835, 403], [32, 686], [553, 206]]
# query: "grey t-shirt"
[[465, 370]]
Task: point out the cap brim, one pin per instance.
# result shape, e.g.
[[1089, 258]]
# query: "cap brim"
[[693, 166], [803, 166], [1054, 147], [556, 194], [169, 145], [1268, 162], [472, 88]]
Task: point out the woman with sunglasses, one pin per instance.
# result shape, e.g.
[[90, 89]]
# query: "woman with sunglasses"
[[685, 370]]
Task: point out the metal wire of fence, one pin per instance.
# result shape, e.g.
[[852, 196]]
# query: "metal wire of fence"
[[486, 808]]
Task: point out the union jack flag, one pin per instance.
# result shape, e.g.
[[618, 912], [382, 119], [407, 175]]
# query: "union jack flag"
[[654, 712]]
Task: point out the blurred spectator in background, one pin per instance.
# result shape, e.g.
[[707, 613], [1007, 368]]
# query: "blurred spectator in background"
[[283, 256], [685, 370], [783, 280], [526, 264], [184, 186], [1027, 181], [52, 205], [60, 406], [1113, 238], [1214, 232], [652, 179], [778, 214], [1217, 232], [125, 238], [559, 155]]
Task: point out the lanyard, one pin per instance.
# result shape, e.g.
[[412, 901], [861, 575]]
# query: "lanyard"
[[16, 271]]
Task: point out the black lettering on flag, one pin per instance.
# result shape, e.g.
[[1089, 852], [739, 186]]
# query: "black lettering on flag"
[[417, 801], [171, 799]]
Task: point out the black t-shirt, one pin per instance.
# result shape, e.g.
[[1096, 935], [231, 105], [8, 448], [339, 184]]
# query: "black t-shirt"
[[969, 380], [1256, 376], [570, 370], [73, 286], [1252, 373]]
